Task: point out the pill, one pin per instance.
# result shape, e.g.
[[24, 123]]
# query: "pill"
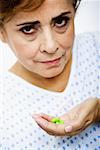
[[57, 121], [54, 120], [61, 122]]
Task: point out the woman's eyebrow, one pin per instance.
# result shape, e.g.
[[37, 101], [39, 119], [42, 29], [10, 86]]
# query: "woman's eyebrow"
[[62, 14], [37, 22], [28, 23]]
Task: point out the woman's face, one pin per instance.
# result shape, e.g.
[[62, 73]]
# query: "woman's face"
[[42, 40]]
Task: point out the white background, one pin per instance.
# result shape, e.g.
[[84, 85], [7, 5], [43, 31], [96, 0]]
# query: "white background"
[[87, 19]]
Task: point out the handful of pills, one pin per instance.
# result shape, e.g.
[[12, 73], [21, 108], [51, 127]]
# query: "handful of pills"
[[57, 121]]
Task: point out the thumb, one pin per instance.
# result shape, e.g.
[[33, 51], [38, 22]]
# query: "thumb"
[[69, 128], [74, 125]]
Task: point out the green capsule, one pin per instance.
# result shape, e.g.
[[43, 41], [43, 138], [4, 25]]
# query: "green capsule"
[[57, 121], [61, 122], [54, 120]]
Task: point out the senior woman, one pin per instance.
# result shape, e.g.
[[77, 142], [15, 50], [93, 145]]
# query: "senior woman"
[[56, 73]]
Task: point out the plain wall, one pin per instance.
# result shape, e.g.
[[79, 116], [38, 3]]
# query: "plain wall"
[[87, 19]]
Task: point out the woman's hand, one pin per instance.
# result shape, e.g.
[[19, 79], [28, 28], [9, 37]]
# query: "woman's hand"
[[75, 121]]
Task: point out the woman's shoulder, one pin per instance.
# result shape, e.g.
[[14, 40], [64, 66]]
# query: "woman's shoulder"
[[13, 83], [9, 80], [86, 51]]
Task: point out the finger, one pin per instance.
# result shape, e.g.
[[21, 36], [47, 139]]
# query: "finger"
[[69, 133], [76, 130], [57, 131], [49, 127], [45, 116], [78, 121], [87, 123], [74, 125], [50, 133]]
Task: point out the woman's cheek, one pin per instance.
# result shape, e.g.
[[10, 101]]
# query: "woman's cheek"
[[68, 38], [25, 50], [67, 42]]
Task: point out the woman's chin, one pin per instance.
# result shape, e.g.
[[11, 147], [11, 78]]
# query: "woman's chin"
[[53, 73]]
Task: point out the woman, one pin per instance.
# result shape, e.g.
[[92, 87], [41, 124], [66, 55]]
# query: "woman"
[[52, 75]]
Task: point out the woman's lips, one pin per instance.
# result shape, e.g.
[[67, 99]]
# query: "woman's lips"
[[52, 62]]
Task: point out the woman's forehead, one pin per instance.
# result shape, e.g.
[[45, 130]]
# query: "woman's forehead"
[[48, 10]]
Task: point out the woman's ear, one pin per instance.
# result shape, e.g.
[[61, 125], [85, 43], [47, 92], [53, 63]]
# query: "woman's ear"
[[3, 35]]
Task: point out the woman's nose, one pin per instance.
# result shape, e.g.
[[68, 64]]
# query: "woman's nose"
[[48, 43]]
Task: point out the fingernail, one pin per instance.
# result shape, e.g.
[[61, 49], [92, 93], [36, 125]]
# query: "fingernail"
[[35, 116], [68, 128]]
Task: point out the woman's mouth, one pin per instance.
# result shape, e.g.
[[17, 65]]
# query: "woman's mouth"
[[53, 62]]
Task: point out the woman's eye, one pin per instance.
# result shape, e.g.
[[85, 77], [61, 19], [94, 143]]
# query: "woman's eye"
[[27, 30], [61, 22]]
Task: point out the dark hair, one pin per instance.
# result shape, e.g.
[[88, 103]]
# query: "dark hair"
[[8, 8], [76, 4]]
